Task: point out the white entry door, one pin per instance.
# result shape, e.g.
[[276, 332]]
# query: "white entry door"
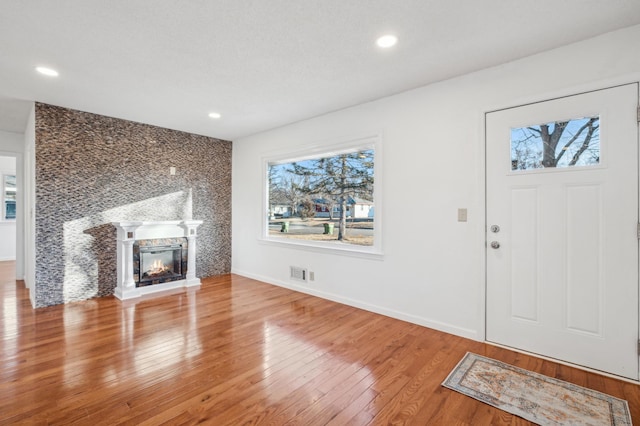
[[562, 237]]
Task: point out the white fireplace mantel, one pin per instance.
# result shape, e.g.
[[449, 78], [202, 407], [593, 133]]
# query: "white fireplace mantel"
[[129, 232]]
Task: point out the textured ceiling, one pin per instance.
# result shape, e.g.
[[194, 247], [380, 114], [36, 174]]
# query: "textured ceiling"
[[263, 64]]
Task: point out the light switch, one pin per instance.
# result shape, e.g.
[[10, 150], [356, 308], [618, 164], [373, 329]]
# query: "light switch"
[[462, 215], [172, 171]]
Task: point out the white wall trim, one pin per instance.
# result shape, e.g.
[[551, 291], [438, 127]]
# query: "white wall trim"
[[326, 248], [29, 203], [591, 86], [425, 322], [482, 229]]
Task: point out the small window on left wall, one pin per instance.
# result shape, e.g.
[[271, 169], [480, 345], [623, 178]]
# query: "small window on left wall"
[[9, 197]]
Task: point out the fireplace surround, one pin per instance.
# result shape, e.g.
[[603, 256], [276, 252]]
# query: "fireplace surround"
[[155, 256]]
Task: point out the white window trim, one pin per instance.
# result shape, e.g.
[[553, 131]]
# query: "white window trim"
[[348, 145]]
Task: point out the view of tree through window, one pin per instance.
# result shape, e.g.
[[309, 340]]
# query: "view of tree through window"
[[327, 198], [559, 144]]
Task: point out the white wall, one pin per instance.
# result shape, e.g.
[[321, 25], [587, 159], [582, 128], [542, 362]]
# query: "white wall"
[[11, 142], [433, 148]]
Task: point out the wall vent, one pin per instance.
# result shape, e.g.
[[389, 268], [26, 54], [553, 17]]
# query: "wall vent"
[[298, 274]]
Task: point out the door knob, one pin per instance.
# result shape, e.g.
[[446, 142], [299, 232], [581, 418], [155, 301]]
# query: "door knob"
[[495, 244], [495, 229]]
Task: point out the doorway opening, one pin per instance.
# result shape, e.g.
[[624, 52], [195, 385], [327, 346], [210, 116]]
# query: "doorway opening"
[[8, 212]]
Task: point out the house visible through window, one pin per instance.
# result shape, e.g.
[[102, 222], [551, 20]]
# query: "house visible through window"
[[324, 199], [9, 197]]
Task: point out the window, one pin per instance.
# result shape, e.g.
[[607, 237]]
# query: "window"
[[326, 198], [9, 197], [558, 144]]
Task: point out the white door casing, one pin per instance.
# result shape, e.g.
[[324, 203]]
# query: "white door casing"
[[563, 282]]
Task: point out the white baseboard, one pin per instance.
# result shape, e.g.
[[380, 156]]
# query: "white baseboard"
[[425, 322]]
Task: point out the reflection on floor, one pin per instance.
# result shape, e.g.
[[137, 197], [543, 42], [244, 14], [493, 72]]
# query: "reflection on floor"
[[238, 351]]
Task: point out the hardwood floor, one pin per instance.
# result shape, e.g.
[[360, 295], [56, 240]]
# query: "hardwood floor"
[[239, 352]]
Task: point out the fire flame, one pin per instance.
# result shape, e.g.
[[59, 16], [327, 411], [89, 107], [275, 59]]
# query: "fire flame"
[[157, 267]]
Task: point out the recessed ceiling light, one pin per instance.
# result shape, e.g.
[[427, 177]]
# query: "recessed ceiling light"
[[215, 115], [386, 41], [47, 71]]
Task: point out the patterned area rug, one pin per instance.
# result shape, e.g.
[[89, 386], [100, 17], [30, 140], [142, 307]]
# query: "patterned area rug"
[[534, 397]]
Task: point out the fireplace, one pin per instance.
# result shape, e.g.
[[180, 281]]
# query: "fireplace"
[[155, 256], [156, 262]]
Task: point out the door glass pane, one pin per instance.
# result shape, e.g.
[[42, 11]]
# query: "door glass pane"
[[574, 142]]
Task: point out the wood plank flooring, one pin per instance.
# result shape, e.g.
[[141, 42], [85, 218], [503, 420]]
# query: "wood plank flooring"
[[239, 352]]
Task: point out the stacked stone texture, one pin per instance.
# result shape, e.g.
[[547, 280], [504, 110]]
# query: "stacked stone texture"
[[92, 170]]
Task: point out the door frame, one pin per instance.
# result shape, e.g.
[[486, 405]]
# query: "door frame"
[[482, 191], [19, 261]]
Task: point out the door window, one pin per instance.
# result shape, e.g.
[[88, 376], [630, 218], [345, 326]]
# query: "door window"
[[569, 143]]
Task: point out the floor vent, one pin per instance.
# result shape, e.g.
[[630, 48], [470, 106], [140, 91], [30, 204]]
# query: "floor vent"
[[298, 274]]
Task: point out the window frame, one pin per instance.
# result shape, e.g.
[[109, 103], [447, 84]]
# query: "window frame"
[[3, 196], [317, 151]]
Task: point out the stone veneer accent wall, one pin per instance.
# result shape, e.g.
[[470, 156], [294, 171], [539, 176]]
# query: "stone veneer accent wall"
[[92, 170]]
